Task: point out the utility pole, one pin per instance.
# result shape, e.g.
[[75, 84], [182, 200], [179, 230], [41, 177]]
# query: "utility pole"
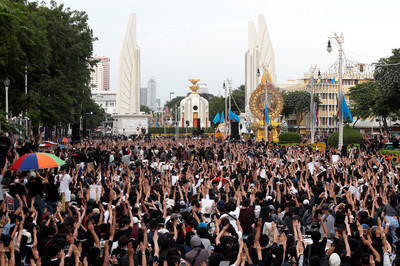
[[340, 41], [225, 126], [230, 105]]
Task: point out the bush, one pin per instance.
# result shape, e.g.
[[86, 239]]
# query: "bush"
[[289, 137], [350, 136], [390, 152], [182, 130]]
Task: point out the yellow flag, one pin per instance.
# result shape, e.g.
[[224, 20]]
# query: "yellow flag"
[[319, 81], [269, 77], [263, 79]]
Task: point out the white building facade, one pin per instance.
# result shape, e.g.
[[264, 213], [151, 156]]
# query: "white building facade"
[[106, 100]]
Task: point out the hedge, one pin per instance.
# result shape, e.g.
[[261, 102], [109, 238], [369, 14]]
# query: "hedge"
[[289, 137], [390, 152], [182, 130], [350, 136]]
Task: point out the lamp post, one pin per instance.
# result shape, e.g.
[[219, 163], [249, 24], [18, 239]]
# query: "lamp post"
[[230, 104], [340, 41], [225, 128], [6, 85], [312, 104]]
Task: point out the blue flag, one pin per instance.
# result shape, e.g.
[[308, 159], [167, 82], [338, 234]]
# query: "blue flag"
[[157, 124], [222, 117], [266, 116], [234, 117], [346, 111], [216, 118]]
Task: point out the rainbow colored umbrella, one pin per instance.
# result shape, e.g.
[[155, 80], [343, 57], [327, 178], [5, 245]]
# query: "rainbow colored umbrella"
[[64, 139], [38, 160]]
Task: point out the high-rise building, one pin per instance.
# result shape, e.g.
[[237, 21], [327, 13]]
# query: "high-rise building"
[[151, 93], [158, 103], [143, 96], [100, 76]]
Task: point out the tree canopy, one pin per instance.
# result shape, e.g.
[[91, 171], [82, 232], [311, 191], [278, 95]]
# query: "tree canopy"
[[297, 103], [378, 97], [55, 44]]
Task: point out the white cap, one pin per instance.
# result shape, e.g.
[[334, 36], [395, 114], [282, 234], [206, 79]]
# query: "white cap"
[[306, 202], [135, 220], [269, 198]]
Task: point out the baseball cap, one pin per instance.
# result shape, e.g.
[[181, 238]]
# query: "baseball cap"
[[365, 226], [334, 260], [271, 207], [306, 202], [195, 241], [202, 224], [325, 206], [175, 216]]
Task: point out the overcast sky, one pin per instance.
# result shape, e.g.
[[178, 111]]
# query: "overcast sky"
[[207, 39]]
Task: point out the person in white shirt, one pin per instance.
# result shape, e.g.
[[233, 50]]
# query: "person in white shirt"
[[65, 179]]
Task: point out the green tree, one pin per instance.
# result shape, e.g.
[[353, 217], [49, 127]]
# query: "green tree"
[[297, 103], [55, 44], [216, 105], [145, 109], [173, 104], [239, 100], [362, 99]]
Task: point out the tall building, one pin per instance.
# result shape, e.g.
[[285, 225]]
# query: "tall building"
[[158, 103], [100, 76], [151, 93], [259, 56], [143, 96]]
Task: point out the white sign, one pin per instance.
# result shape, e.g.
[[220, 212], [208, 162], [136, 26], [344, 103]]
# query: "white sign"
[[95, 190], [311, 167], [205, 203]]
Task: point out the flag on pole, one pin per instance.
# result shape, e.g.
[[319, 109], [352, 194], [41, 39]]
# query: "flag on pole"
[[157, 125], [345, 110], [316, 115], [263, 80], [234, 117], [216, 118], [222, 117], [334, 80], [269, 77], [166, 109], [319, 81], [266, 116]]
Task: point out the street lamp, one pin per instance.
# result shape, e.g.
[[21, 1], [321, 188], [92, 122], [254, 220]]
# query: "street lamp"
[[340, 41], [7, 84], [226, 110], [266, 102]]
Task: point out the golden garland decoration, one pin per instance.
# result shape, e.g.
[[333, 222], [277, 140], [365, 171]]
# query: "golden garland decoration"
[[259, 92]]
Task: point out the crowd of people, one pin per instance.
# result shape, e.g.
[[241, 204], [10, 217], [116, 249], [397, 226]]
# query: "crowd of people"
[[184, 201]]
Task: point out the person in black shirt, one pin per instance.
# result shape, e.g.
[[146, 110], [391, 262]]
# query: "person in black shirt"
[[52, 194]]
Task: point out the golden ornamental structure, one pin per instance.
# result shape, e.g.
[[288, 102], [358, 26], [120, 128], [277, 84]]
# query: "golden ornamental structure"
[[194, 88], [274, 105]]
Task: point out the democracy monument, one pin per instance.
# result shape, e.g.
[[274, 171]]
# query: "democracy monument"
[[129, 117]]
